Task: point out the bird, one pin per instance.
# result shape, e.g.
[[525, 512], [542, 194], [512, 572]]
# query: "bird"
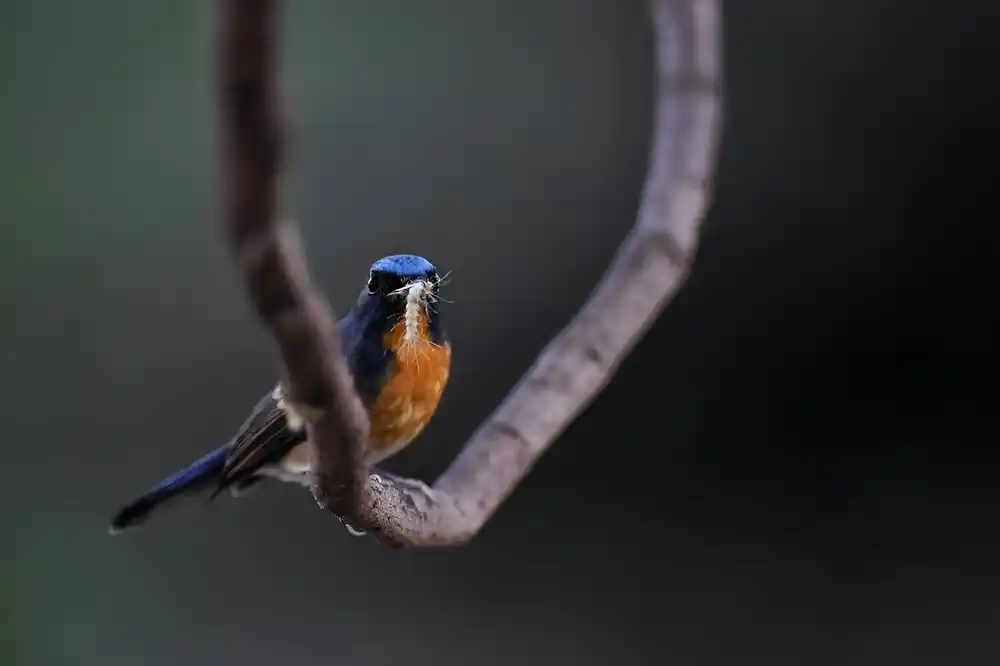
[[394, 345]]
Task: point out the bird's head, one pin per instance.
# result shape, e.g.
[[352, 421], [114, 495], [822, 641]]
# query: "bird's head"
[[403, 288]]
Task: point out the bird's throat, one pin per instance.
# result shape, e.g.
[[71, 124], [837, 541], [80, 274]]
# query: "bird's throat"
[[409, 337]]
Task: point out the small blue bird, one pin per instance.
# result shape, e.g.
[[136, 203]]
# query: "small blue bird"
[[399, 357]]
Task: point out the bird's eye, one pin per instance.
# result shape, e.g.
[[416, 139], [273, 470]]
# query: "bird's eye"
[[390, 283], [384, 283]]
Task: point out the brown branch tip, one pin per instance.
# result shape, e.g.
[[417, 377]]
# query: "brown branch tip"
[[568, 374]]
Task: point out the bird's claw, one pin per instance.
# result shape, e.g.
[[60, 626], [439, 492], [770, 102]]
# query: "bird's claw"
[[402, 482], [412, 484], [351, 530]]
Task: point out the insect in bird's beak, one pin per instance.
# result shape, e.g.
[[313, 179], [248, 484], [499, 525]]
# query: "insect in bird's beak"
[[418, 294]]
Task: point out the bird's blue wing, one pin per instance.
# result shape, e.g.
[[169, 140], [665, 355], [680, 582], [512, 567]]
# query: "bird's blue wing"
[[265, 438]]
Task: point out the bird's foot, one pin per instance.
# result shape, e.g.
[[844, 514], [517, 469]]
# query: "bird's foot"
[[411, 484], [351, 530]]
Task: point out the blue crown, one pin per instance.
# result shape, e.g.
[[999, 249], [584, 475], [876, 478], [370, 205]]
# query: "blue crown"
[[404, 265]]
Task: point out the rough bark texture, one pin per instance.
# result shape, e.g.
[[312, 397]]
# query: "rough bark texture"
[[650, 266]]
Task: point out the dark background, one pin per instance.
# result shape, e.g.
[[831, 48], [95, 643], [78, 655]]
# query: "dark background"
[[798, 464]]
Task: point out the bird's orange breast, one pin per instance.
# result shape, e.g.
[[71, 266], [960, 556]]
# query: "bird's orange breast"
[[416, 380]]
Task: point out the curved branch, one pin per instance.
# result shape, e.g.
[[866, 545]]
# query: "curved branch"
[[269, 252], [650, 266]]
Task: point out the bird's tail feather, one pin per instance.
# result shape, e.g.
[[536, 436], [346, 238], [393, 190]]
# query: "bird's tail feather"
[[196, 476]]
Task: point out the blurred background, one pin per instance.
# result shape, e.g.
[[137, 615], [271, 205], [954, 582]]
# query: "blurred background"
[[797, 464]]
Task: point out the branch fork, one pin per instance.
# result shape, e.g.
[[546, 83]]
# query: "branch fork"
[[570, 372]]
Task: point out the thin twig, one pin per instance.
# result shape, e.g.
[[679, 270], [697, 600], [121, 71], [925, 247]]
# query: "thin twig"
[[649, 267]]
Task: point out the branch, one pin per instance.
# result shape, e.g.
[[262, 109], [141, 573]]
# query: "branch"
[[270, 254], [650, 266]]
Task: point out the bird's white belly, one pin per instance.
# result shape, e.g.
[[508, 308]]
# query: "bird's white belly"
[[297, 465], [293, 468]]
